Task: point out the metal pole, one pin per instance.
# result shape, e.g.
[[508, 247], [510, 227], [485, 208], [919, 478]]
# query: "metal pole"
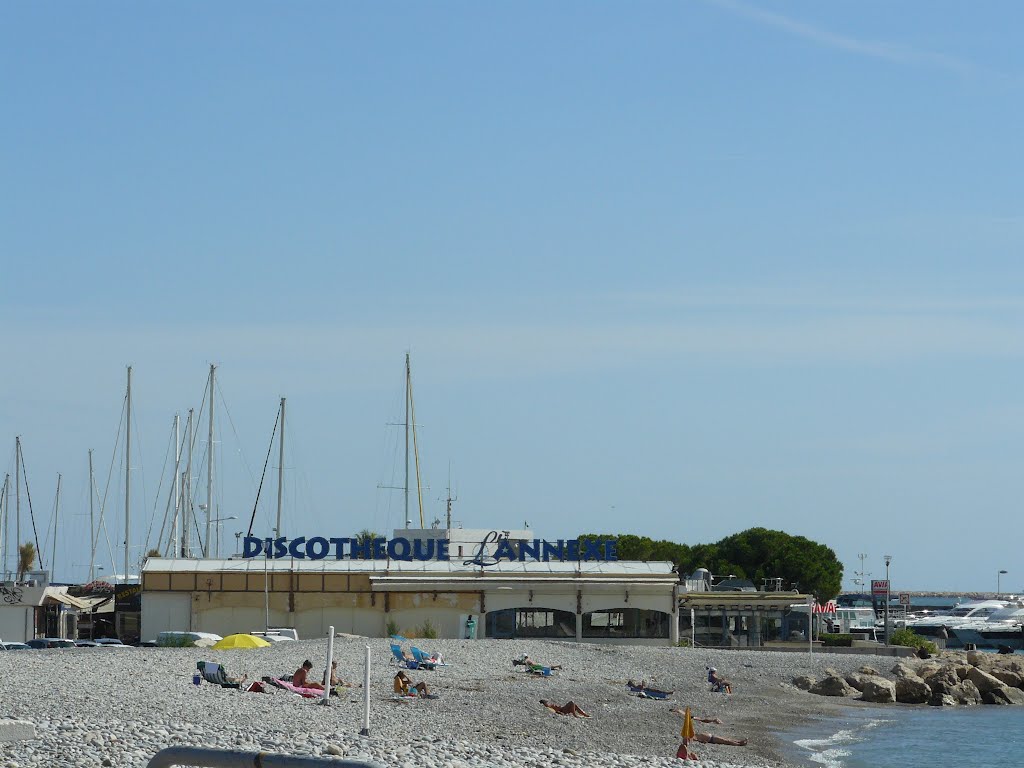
[[56, 518], [408, 381], [887, 592], [326, 700], [17, 504], [92, 526], [810, 624], [280, 472], [186, 531], [128, 477], [266, 586], [366, 695], [177, 484], [209, 466], [7, 514]]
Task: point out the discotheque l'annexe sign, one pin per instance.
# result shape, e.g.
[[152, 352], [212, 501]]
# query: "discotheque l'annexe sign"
[[520, 550]]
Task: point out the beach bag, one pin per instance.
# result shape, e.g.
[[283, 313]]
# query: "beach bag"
[[683, 754]]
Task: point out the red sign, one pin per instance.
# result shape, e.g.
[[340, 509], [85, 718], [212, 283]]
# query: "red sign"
[[829, 607], [879, 587]]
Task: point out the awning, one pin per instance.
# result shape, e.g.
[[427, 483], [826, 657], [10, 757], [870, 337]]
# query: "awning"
[[66, 599]]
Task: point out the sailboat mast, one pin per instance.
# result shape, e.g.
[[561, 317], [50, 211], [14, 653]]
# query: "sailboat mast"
[[17, 499], [209, 465], [92, 525], [177, 484], [128, 476], [416, 454], [186, 530], [7, 514], [56, 519], [408, 396], [280, 473]]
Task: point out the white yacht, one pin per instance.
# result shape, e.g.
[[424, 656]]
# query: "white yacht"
[[977, 610], [1002, 627]]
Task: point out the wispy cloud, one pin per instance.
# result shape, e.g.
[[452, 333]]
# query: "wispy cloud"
[[895, 52]]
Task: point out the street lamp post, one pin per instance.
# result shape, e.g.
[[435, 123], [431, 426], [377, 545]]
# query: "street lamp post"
[[888, 559], [999, 584]]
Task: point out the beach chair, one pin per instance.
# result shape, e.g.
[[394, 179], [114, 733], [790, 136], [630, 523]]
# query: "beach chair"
[[214, 673], [427, 660], [402, 659]]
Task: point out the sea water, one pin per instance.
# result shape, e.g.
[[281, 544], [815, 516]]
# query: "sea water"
[[899, 736]]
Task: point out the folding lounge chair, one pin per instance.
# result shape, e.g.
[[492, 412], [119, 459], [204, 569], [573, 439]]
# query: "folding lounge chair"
[[401, 659], [214, 673], [426, 660]]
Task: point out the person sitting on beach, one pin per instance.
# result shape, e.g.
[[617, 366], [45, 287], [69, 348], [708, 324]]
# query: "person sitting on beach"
[[301, 677], [569, 708], [336, 681], [533, 666], [718, 684], [404, 685]]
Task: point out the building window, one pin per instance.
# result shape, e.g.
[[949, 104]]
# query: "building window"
[[531, 622], [626, 623]]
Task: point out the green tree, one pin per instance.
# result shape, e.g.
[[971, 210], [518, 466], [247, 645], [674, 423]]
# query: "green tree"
[[26, 558], [366, 536]]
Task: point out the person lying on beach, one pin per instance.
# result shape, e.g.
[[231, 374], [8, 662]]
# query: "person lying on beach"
[[720, 683], [569, 708], [301, 677], [532, 665], [644, 688], [712, 720], [404, 685], [707, 738]]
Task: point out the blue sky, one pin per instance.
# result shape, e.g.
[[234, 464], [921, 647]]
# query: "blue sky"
[[675, 269]]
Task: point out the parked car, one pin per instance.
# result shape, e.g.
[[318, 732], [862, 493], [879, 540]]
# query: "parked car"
[[14, 646], [146, 644], [111, 642], [182, 639], [51, 642], [86, 644]]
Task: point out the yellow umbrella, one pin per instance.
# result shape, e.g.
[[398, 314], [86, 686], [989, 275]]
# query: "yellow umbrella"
[[687, 732], [240, 641]]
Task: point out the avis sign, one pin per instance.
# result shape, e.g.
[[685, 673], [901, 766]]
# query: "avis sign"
[[879, 587]]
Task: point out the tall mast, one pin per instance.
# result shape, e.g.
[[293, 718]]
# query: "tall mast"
[[128, 477], [92, 525], [408, 395], [186, 530], [415, 446], [17, 499], [209, 465], [7, 514], [56, 518], [5, 503], [280, 473], [177, 484]]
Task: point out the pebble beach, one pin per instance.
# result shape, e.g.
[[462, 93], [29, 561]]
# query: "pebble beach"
[[107, 707]]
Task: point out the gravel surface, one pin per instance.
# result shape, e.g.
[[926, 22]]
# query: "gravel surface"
[[97, 706]]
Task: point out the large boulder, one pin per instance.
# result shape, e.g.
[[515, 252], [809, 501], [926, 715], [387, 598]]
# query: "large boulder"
[[942, 700], [855, 680], [978, 659], [1012, 679], [1004, 695], [833, 685], [866, 670], [879, 690], [902, 670], [967, 693], [984, 680], [911, 689], [804, 682]]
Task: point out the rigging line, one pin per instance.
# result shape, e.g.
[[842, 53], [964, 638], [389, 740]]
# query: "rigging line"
[[170, 494], [50, 533], [241, 452], [156, 498], [106, 488], [138, 449], [31, 514], [270, 449]]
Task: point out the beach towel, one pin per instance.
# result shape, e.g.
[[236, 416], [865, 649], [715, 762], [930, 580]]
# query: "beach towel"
[[308, 693]]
